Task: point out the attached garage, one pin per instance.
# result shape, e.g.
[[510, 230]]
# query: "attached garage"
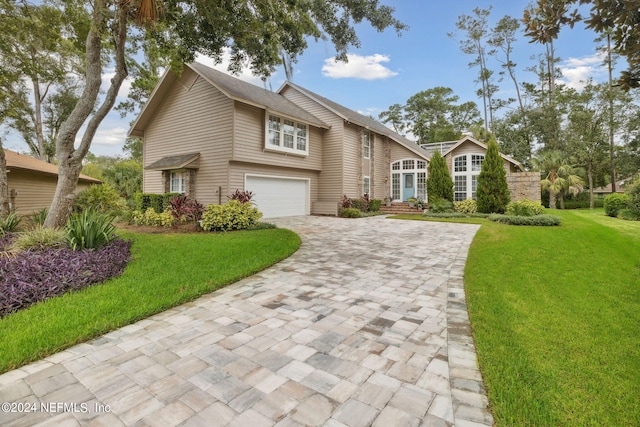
[[279, 196]]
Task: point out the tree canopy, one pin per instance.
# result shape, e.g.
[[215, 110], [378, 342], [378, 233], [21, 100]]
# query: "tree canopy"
[[256, 32]]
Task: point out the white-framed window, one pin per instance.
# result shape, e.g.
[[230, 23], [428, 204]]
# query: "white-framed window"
[[366, 150], [408, 164], [366, 185], [421, 182], [466, 169], [395, 186], [286, 135], [177, 182], [459, 188]]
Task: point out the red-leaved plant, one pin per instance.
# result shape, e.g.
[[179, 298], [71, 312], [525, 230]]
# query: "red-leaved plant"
[[185, 209], [241, 196]]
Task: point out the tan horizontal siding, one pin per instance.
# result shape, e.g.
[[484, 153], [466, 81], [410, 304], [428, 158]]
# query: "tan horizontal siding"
[[34, 191], [381, 168], [249, 136], [398, 152], [194, 117], [331, 179], [352, 173]]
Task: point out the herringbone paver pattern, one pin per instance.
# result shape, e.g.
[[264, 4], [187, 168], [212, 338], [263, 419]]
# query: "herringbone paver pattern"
[[365, 325]]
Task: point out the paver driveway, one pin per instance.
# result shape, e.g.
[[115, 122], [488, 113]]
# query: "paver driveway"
[[364, 325]]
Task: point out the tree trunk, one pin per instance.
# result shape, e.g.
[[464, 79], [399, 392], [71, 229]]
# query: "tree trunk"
[[611, 118], [561, 198], [70, 158], [552, 200], [4, 185]]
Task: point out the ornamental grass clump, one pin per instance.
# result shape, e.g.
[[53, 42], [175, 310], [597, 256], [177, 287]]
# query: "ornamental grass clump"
[[38, 238], [34, 276], [524, 207]]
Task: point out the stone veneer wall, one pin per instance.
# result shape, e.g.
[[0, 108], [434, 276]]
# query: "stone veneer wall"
[[524, 185]]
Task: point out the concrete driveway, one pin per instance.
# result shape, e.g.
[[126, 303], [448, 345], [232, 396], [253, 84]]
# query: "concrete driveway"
[[365, 325]]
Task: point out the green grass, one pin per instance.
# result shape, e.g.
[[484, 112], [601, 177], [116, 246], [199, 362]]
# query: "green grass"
[[555, 314], [166, 270]]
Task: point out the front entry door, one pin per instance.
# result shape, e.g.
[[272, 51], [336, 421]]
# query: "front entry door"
[[408, 186]]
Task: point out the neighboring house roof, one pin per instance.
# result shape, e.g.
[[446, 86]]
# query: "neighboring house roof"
[[231, 87], [356, 118], [17, 161], [607, 188], [449, 146], [189, 161]]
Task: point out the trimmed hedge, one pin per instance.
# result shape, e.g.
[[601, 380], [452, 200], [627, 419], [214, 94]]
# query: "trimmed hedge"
[[538, 220], [159, 202], [454, 215]]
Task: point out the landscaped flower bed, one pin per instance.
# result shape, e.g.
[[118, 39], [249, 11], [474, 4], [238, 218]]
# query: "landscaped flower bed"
[[33, 276]]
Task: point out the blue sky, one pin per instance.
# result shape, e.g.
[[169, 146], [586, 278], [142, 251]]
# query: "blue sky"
[[388, 69]]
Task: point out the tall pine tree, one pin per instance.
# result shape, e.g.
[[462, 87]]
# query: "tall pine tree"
[[439, 182], [492, 192]]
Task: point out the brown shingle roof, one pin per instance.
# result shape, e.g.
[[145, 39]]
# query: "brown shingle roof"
[[28, 163], [247, 92]]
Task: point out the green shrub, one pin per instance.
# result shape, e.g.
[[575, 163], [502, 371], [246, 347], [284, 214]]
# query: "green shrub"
[[90, 229], [492, 192], [374, 205], [440, 205], [628, 215], [151, 218], [538, 220], [9, 223], [466, 206], [454, 215], [524, 207], [159, 202], [634, 199], [351, 213], [103, 198], [614, 203], [233, 215], [439, 182], [39, 238], [360, 204]]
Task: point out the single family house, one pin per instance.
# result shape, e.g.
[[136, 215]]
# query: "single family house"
[[207, 134], [32, 182]]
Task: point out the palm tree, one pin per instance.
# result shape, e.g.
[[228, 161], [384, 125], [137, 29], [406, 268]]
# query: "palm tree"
[[561, 177]]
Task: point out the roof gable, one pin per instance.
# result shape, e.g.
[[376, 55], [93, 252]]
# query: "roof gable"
[[233, 88], [450, 146], [355, 118]]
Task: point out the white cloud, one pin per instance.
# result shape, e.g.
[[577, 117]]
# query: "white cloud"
[[245, 75], [577, 71], [124, 88], [109, 137], [359, 67]]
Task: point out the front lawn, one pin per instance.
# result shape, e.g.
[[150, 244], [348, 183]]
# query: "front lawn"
[[555, 314], [166, 270]]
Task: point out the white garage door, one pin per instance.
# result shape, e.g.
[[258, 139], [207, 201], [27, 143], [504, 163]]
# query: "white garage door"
[[277, 197]]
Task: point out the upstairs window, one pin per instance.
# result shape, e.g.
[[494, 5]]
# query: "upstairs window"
[[367, 145], [287, 135]]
